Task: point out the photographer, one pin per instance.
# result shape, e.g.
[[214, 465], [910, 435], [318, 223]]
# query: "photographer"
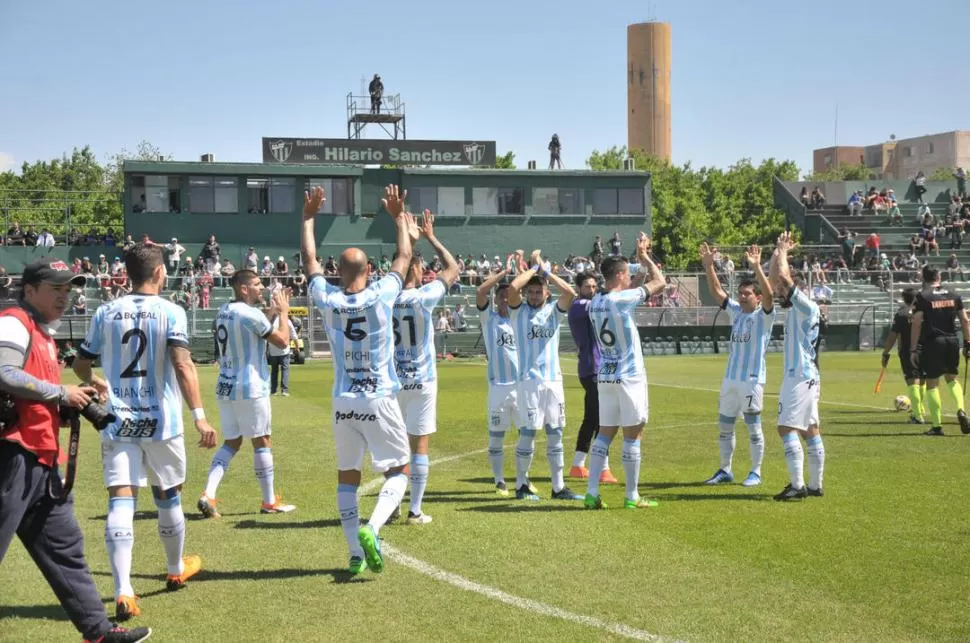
[[30, 381]]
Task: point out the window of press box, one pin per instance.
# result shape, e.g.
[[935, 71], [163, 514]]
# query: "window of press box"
[[443, 202], [213, 194], [275, 195], [618, 201], [155, 193], [557, 201], [339, 195]]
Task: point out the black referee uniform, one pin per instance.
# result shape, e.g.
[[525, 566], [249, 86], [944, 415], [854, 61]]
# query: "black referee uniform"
[[939, 346], [902, 322]]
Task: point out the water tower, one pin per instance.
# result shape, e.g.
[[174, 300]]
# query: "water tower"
[[648, 88]]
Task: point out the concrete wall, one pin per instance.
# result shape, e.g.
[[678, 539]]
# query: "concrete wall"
[[648, 88]]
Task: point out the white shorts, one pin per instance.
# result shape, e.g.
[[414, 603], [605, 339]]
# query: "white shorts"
[[740, 398], [245, 418], [135, 464], [798, 403], [503, 407], [419, 407], [541, 404], [623, 402], [361, 424]]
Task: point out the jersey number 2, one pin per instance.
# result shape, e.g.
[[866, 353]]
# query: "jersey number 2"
[[136, 336]]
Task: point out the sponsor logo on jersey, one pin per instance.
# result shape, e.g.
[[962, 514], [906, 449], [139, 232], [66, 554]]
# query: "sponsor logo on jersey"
[[354, 415]]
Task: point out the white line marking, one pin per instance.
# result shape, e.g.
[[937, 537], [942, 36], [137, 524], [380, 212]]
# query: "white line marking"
[[526, 604]]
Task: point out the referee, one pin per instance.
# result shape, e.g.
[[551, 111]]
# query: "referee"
[[30, 381], [935, 347], [914, 378], [589, 363]]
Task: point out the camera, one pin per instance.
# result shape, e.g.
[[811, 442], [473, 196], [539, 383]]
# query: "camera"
[[99, 416]]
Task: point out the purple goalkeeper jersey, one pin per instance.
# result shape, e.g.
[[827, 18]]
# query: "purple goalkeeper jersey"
[[583, 334]]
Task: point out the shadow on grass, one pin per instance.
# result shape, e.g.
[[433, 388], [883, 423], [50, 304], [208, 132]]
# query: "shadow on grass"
[[269, 524], [908, 434], [458, 499], [671, 485], [192, 515], [210, 575], [52, 612], [525, 507], [713, 496]]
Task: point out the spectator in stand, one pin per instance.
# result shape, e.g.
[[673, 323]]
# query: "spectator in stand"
[[428, 276], [484, 267], [251, 261], [46, 239], [145, 239], [872, 245], [854, 206], [818, 273], [953, 226], [616, 244], [818, 198], [458, 322], [961, 178], [211, 252], [804, 198], [953, 268], [895, 216], [117, 266], [842, 274], [299, 283], [929, 240], [598, 246], [129, 243], [103, 267], [282, 269], [915, 243], [899, 262], [226, 272], [266, 270], [174, 250], [330, 269], [87, 269], [442, 325], [80, 304], [30, 237], [728, 266], [471, 273], [385, 264], [76, 266], [880, 205], [15, 236], [110, 239], [919, 184], [847, 241], [119, 283], [205, 289], [73, 237]]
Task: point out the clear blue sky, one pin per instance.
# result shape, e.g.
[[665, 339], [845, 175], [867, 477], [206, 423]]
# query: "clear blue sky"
[[750, 78]]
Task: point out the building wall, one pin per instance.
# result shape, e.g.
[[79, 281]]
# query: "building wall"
[[926, 153], [648, 88], [830, 157], [369, 228]]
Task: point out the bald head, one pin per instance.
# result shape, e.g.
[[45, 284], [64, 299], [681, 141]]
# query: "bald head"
[[352, 264]]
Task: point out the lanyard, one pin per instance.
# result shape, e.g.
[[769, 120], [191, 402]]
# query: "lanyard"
[[63, 487]]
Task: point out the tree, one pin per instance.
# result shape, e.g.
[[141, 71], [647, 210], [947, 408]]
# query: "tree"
[[732, 207], [941, 174], [858, 172], [506, 161]]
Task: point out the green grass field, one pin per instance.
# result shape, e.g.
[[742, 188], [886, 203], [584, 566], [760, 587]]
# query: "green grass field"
[[885, 555]]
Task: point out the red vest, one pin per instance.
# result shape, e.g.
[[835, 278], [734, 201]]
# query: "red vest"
[[38, 423]]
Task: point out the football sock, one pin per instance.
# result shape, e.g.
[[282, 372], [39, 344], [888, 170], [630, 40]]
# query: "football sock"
[[726, 441], [388, 500], [218, 468], [119, 537], [554, 453], [956, 391], [171, 529], [923, 407], [419, 480], [606, 462], [263, 464], [794, 459], [631, 467], [935, 406], [597, 458], [524, 451], [916, 395], [349, 516], [757, 437], [495, 454], [579, 460], [815, 452]]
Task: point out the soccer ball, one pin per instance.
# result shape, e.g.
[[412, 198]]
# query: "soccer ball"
[[902, 403]]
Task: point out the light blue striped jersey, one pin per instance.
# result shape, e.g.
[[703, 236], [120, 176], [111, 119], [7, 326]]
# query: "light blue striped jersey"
[[613, 315], [499, 337], [361, 335], [132, 336], [750, 334], [241, 332], [537, 340], [801, 334], [414, 351]]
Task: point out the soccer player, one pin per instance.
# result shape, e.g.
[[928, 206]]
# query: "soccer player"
[[935, 348], [143, 345], [799, 395], [588, 364], [365, 409], [415, 357], [541, 401], [242, 388], [914, 379], [752, 315], [503, 370], [621, 380]]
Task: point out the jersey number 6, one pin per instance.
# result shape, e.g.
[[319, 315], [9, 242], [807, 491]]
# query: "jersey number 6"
[[607, 337]]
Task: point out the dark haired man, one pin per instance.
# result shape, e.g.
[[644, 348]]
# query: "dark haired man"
[[914, 377]]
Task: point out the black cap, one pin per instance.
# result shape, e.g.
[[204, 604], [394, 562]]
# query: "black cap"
[[52, 270]]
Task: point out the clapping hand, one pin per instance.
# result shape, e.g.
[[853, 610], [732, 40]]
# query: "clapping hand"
[[312, 202], [427, 224], [707, 256], [785, 241], [753, 255]]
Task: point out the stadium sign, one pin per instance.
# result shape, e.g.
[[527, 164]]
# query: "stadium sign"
[[377, 152]]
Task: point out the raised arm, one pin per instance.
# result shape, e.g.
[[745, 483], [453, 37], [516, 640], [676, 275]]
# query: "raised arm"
[[280, 338], [515, 288], [780, 270], [308, 244], [566, 292], [643, 254], [657, 281], [713, 283], [449, 274], [393, 202], [753, 255], [482, 292]]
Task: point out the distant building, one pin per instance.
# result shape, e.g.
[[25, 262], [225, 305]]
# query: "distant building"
[[900, 159]]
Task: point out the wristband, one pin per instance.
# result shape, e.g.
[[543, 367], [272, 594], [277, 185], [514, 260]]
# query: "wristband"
[[198, 414]]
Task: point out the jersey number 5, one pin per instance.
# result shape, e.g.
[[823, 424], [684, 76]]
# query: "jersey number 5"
[[140, 341], [355, 334]]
